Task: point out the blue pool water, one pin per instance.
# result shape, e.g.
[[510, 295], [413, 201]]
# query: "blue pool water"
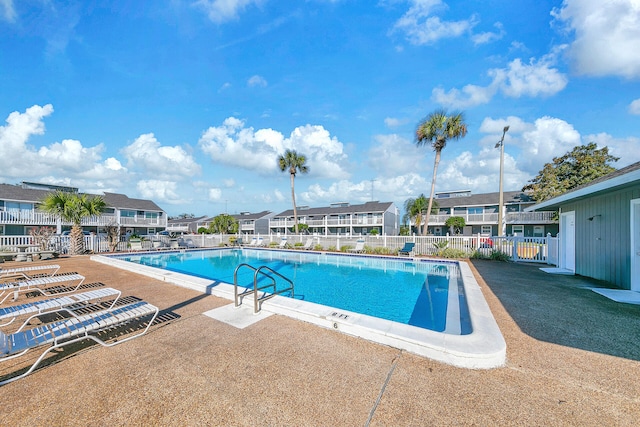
[[425, 294]]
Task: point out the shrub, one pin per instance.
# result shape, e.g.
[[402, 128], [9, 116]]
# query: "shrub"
[[384, 251], [476, 254], [441, 246], [298, 244], [318, 248], [499, 256], [345, 248], [452, 253], [332, 249]]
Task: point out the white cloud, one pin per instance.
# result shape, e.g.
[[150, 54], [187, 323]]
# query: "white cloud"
[[20, 127], [384, 189], [220, 11], [257, 81], [395, 122], [215, 194], [634, 107], [488, 37], [159, 190], [421, 27], [607, 36], [393, 155], [7, 11], [537, 78], [70, 155], [258, 151], [146, 154], [469, 96]]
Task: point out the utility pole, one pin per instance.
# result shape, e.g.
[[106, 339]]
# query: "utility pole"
[[501, 228]]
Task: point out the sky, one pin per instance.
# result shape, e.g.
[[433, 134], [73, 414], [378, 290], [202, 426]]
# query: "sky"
[[189, 103]]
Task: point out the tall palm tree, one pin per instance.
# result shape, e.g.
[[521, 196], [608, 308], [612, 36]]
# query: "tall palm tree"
[[415, 208], [436, 130], [294, 163], [73, 208]]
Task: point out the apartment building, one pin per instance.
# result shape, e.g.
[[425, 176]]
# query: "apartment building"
[[19, 211], [341, 219], [480, 212]]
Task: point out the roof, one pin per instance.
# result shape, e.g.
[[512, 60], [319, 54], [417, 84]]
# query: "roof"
[[623, 177], [122, 201], [251, 216], [485, 199], [187, 220], [19, 193], [368, 207]]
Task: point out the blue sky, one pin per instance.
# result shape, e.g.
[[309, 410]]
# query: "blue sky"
[[189, 103]]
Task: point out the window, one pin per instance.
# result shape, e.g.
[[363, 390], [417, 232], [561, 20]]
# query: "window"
[[151, 215], [518, 230], [486, 230], [538, 231], [472, 211], [127, 214]]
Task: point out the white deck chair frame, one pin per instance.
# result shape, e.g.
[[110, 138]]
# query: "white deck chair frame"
[[35, 285], [22, 271], [53, 304], [359, 247], [71, 330]]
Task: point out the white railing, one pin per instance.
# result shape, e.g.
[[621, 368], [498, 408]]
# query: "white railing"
[[519, 249], [326, 222], [31, 217], [545, 217]]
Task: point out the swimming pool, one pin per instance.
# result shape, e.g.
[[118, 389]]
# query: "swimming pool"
[[425, 294], [434, 309]]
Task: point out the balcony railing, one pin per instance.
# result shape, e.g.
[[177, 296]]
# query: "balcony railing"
[[30, 217], [545, 217], [327, 222]]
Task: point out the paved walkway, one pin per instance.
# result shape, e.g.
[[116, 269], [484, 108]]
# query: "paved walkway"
[[573, 358]]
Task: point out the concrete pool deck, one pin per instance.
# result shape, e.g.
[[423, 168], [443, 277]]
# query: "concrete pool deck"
[[484, 348], [573, 358]]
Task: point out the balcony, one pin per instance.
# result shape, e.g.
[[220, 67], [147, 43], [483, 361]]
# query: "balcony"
[[35, 218], [326, 222], [545, 217]]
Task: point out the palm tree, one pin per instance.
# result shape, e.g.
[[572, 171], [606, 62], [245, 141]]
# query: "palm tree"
[[435, 130], [293, 162], [73, 208], [224, 223], [415, 208]]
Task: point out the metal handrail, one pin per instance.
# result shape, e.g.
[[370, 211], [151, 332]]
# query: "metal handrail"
[[257, 271]]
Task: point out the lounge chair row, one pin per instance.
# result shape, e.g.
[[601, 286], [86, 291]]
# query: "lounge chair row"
[[74, 317], [407, 249]]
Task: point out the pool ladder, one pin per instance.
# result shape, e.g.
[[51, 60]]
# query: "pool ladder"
[[258, 272]]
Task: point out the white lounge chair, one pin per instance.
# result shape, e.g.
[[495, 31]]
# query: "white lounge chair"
[[38, 284], [309, 245], [283, 243], [135, 244], [253, 242], [73, 329], [260, 242], [39, 307], [359, 247], [22, 271]]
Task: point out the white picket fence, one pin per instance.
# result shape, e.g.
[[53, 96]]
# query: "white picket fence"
[[519, 249]]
